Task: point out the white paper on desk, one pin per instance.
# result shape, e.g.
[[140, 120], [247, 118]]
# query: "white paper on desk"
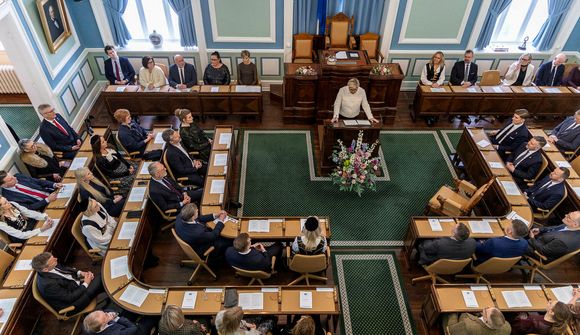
[[50, 230], [437, 89], [137, 194], [157, 291], [552, 90], [529, 89], [7, 305], [563, 294], [189, 298], [435, 225], [324, 289], [349, 122], [363, 122], [515, 216], [248, 89], [532, 287], [134, 295], [577, 190], [213, 290], [159, 138], [78, 163], [497, 89], [259, 226], [225, 138], [251, 301], [510, 187], [478, 288], [341, 55], [119, 267], [302, 222], [225, 169], [66, 191], [480, 227], [214, 89], [483, 143], [469, 299], [516, 299], [471, 89], [563, 164], [23, 265], [217, 186], [220, 159], [128, 230], [120, 89], [155, 89], [305, 299], [145, 168], [269, 290], [275, 221], [495, 165]]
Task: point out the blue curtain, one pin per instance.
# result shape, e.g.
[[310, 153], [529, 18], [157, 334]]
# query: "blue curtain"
[[495, 9], [305, 16], [185, 17], [115, 10], [368, 14], [557, 9]]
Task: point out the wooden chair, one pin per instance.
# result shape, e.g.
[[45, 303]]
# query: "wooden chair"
[[370, 43], [179, 180], [132, 155], [303, 51], [77, 232], [306, 265], [168, 215], [492, 266], [544, 214], [576, 164], [339, 32], [531, 182], [113, 185], [570, 155], [194, 258], [442, 267], [14, 247], [256, 275], [164, 68], [490, 78], [6, 260], [538, 264], [457, 202]]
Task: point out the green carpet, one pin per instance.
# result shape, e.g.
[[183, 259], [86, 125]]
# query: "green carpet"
[[22, 118], [276, 180], [371, 294], [451, 138]]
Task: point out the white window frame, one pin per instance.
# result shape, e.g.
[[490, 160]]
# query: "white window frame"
[[502, 19], [145, 29]]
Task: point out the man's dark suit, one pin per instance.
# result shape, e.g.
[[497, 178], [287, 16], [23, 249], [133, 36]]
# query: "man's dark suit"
[[166, 198], [127, 71], [528, 167], [545, 197], [511, 141], [181, 165], [56, 139], [255, 260], [458, 73], [568, 139], [26, 200], [503, 247], [545, 75], [445, 248], [189, 73], [199, 236], [133, 138], [61, 292], [553, 243], [120, 327]]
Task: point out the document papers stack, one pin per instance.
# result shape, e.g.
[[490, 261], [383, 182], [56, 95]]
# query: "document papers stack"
[[189, 298], [435, 225], [66, 191], [23, 265], [305, 300], [50, 230], [563, 294], [259, 226], [225, 139], [483, 143], [469, 299], [128, 230], [145, 168], [120, 267], [158, 138], [253, 301], [134, 295], [7, 305], [516, 299], [220, 159], [78, 163], [510, 187], [137, 194], [480, 227]]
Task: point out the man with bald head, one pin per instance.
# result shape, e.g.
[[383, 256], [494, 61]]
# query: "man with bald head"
[[551, 73], [557, 241], [182, 75]]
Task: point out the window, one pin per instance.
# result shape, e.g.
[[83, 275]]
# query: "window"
[[522, 18], [144, 16]]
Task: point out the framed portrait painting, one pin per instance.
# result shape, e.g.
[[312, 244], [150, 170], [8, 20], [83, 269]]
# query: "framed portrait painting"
[[54, 22]]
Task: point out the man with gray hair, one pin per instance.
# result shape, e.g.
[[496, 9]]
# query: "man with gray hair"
[[556, 241], [551, 73], [349, 101], [57, 133], [182, 75], [566, 135], [166, 193], [525, 162], [179, 161]]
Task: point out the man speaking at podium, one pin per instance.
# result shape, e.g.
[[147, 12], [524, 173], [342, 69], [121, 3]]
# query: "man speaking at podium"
[[349, 100]]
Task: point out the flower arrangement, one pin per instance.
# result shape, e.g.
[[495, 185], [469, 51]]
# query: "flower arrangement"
[[355, 169], [305, 71], [381, 70]]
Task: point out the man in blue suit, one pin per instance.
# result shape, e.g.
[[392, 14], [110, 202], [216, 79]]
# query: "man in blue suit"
[[526, 161], [29, 192], [250, 257], [566, 136], [111, 323], [513, 133], [551, 73], [118, 70], [547, 192], [57, 133], [513, 244], [181, 74], [557, 241]]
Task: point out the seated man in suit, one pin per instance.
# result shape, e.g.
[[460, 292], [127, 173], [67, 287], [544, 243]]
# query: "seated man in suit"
[[551, 73], [57, 133], [252, 257], [457, 246], [554, 242], [133, 137], [181, 74], [548, 191], [118, 70], [192, 229], [566, 135], [179, 161], [166, 193], [525, 162], [512, 134], [491, 322], [111, 323], [464, 73], [29, 192], [513, 244], [63, 286]]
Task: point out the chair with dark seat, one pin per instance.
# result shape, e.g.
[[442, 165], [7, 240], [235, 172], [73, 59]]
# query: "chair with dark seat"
[[134, 155], [370, 43], [339, 32], [194, 258], [303, 50]]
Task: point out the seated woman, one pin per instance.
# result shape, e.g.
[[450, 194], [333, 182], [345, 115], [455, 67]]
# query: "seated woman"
[[40, 160], [151, 75], [91, 187], [555, 321], [247, 71], [229, 322], [433, 74], [133, 137], [216, 73], [311, 242], [192, 137], [19, 222], [520, 73], [97, 225], [173, 322], [112, 164]]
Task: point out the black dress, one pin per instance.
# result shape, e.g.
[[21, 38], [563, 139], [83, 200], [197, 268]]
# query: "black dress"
[[194, 139], [219, 76], [117, 169], [114, 209]]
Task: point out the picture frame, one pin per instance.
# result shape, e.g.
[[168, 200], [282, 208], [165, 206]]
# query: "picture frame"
[[54, 21]]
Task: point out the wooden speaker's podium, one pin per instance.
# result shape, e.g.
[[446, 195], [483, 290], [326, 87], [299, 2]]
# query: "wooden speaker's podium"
[[329, 133]]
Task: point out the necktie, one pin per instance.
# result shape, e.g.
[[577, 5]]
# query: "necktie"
[[172, 188], [521, 157], [554, 68], [544, 187], [59, 127], [503, 134], [466, 75], [117, 71], [31, 192], [181, 76], [572, 126]]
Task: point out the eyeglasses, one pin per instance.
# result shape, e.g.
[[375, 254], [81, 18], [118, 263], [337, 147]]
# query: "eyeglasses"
[[213, 58], [151, 62], [525, 59]]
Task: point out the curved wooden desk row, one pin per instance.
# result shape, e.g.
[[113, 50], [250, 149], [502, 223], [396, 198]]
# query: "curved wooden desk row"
[[219, 176], [495, 100]]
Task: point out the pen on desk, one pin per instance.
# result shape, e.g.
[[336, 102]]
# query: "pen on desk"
[[335, 295], [164, 298], [122, 286], [279, 295], [491, 294]]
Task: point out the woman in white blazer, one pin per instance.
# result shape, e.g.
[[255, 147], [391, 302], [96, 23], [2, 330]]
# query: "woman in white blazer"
[[97, 225], [19, 222], [521, 72]]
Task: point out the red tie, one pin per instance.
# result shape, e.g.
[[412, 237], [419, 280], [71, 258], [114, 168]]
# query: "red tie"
[[117, 71], [62, 130], [31, 192]]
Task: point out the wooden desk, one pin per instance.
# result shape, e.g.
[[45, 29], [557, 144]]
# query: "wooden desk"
[[81, 155], [19, 278], [224, 144], [10, 326], [55, 214], [122, 244], [157, 142], [102, 131], [61, 203], [143, 170], [218, 170], [138, 185]]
